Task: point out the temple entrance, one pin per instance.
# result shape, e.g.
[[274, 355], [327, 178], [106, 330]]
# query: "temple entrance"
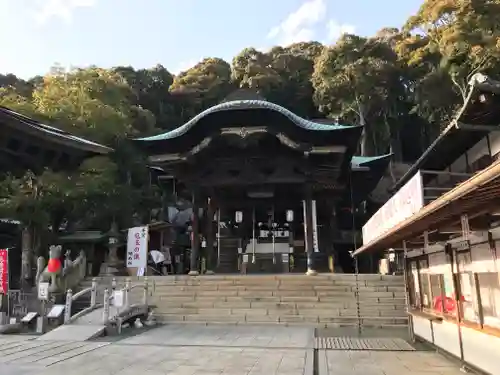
[[263, 231], [269, 238]]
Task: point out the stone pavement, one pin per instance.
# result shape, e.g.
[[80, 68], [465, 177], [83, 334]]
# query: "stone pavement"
[[384, 363], [209, 350]]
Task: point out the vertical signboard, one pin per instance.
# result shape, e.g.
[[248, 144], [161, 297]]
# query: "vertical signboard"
[[137, 247], [305, 226], [4, 271], [315, 227], [402, 205]]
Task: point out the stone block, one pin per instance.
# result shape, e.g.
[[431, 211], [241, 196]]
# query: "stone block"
[[232, 304], [299, 299], [255, 293], [273, 305]]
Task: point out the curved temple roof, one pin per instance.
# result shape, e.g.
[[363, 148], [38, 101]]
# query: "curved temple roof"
[[246, 104]]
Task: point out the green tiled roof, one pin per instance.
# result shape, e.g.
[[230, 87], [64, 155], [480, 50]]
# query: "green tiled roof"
[[362, 160], [246, 104]]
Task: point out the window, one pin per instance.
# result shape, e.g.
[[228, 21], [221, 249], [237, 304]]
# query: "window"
[[489, 291], [475, 272], [481, 163], [424, 283], [485, 266], [442, 290], [467, 295], [413, 285]]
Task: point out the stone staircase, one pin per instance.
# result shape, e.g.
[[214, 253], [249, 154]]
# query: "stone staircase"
[[326, 300]]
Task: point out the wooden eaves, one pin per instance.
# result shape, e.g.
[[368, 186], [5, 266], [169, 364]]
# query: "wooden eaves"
[[473, 195]]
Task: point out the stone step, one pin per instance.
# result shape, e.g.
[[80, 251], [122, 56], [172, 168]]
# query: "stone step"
[[275, 288], [324, 301], [195, 303], [253, 319], [338, 279], [301, 312]]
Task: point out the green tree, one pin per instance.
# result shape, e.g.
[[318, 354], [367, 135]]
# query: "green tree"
[[359, 80], [202, 86], [253, 69], [93, 103], [446, 43]]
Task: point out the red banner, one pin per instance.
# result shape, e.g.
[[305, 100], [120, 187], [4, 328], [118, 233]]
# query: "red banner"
[[4, 271]]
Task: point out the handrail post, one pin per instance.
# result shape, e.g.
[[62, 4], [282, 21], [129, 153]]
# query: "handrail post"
[[67, 307], [105, 313], [93, 293], [145, 296], [128, 283]]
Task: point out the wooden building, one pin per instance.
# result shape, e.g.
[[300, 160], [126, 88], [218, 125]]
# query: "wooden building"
[[447, 233], [272, 192], [28, 144]]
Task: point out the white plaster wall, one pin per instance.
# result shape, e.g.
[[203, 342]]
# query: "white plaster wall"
[[478, 150], [459, 165], [481, 350], [446, 337], [495, 142], [422, 328]]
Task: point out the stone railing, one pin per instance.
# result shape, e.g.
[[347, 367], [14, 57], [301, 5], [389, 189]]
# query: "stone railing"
[[126, 308], [70, 298]]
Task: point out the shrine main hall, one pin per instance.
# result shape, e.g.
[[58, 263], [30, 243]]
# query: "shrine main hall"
[[271, 192]]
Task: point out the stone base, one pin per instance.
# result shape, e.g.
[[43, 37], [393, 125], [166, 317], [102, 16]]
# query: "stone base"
[[311, 272], [193, 273], [112, 269]]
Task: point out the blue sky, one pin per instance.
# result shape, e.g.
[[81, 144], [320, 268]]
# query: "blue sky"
[[36, 34]]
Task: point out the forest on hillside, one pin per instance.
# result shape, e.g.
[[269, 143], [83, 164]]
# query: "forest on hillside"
[[402, 84]]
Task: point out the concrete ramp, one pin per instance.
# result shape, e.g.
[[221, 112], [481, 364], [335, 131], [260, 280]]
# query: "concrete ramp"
[[71, 332]]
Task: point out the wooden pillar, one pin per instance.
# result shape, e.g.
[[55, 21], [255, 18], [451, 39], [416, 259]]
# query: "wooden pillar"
[[308, 235], [195, 238], [210, 236]]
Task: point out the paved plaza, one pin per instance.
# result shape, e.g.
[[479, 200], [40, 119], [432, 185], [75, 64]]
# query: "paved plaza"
[[210, 350]]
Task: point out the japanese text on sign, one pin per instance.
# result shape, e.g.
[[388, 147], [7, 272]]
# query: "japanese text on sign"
[[137, 247]]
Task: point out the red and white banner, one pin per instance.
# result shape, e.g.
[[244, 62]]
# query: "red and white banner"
[[4, 271]]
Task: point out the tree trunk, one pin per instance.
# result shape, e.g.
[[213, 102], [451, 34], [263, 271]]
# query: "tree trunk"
[[364, 137]]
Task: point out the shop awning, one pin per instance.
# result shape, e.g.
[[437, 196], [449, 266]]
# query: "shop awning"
[[480, 192]]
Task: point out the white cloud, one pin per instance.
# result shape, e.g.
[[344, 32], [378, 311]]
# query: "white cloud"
[[62, 9], [336, 30], [299, 25]]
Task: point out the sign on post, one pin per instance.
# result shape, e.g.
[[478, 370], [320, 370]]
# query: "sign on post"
[[137, 247], [118, 298], [43, 291], [4, 271]]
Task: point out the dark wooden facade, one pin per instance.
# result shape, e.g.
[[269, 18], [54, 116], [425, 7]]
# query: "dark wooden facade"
[[251, 156]]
